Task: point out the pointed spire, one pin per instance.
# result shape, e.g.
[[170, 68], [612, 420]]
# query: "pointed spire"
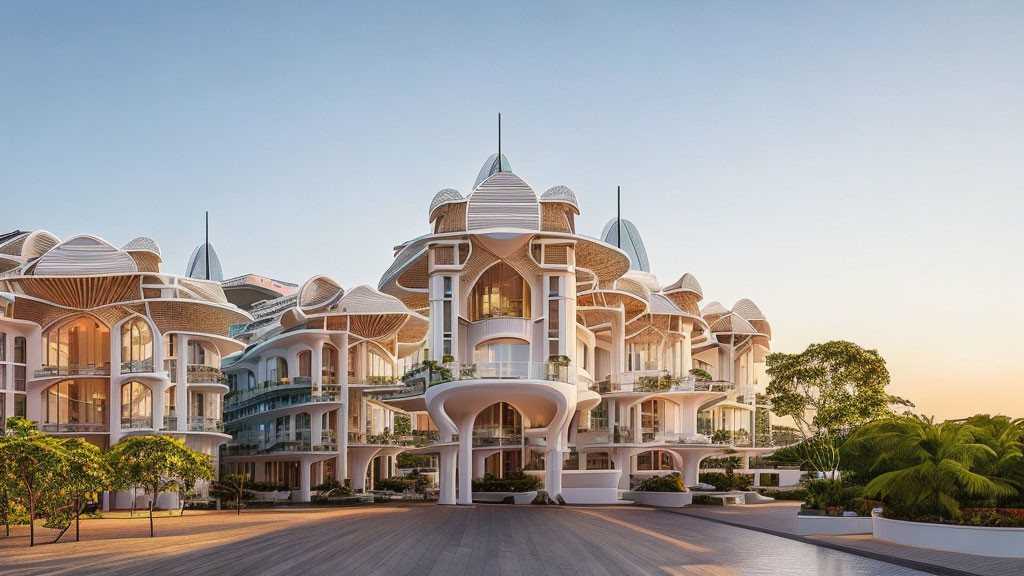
[[207, 245], [618, 217], [499, 141]]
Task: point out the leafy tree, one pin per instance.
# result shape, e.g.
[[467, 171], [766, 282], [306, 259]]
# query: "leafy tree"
[[403, 425], [232, 486], [83, 474], [932, 466], [35, 460], [1006, 439], [827, 390], [157, 464]]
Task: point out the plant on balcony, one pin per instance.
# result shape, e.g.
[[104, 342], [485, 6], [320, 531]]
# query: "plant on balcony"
[[157, 464], [701, 375], [669, 483], [561, 360], [232, 487], [447, 359], [512, 482]]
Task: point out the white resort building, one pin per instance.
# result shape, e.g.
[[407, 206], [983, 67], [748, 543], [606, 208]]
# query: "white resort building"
[[502, 340]]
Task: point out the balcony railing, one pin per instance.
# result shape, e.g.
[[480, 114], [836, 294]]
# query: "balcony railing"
[[74, 370], [171, 367], [170, 422], [379, 439], [74, 427], [324, 393], [137, 423], [203, 374], [201, 424], [643, 382], [137, 366], [276, 444]]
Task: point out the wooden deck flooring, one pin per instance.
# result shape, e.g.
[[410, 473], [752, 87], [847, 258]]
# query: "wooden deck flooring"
[[417, 540]]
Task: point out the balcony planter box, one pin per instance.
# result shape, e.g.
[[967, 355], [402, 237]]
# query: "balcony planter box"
[[980, 540], [815, 524], [660, 499], [500, 497]]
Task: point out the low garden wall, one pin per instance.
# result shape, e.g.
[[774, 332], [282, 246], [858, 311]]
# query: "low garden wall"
[[809, 525], [981, 540], [660, 499], [590, 486]]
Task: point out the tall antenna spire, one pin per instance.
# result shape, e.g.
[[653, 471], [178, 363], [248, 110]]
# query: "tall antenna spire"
[[499, 141], [207, 245], [618, 216]]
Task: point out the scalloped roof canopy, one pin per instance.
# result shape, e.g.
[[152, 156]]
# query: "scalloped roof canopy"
[[84, 255]]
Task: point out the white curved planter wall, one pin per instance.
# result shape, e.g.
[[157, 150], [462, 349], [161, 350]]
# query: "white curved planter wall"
[[662, 499], [1004, 542], [590, 486], [811, 525], [498, 497]]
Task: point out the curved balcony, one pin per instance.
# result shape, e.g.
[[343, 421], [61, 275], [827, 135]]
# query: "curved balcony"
[[327, 392], [658, 382], [73, 370], [203, 374], [201, 424]]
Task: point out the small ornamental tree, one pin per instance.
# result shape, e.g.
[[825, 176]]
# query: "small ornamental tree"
[[157, 464], [35, 460], [83, 474], [827, 390], [232, 486]]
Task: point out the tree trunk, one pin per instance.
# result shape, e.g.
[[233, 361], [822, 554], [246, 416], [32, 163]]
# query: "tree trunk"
[[238, 505], [151, 502], [78, 514], [31, 520]]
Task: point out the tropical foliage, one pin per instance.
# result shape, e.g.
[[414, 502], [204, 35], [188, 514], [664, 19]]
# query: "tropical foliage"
[[927, 470], [669, 483], [512, 482], [828, 390]]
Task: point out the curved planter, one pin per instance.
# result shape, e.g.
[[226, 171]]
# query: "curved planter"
[[808, 525], [662, 499], [499, 497], [981, 540], [591, 486]]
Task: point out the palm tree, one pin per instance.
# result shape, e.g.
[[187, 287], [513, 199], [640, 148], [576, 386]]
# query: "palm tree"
[[1006, 438], [931, 465], [232, 486]]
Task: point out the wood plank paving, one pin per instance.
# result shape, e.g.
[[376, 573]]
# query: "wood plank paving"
[[417, 539]]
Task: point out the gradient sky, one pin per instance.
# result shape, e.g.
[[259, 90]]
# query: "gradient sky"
[[855, 168]]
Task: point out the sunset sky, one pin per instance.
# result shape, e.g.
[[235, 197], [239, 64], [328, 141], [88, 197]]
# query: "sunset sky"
[[858, 173]]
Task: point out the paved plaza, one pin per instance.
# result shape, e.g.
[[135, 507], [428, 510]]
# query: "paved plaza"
[[417, 539]]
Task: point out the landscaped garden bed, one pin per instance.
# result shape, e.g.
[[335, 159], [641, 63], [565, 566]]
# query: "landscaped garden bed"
[[983, 540], [663, 491], [514, 488]]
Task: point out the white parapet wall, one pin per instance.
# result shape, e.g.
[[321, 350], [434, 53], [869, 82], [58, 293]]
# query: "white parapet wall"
[[980, 540], [590, 486], [807, 525]]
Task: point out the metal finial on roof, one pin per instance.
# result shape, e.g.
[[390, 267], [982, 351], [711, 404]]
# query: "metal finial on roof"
[[618, 216], [207, 244], [499, 141]]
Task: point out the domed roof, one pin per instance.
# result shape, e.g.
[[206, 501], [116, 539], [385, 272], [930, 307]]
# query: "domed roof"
[[686, 283], [142, 244], [318, 292], [503, 200], [632, 243], [732, 324], [560, 194], [197, 264], [84, 255], [443, 197], [713, 311], [750, 312], [490, 167]]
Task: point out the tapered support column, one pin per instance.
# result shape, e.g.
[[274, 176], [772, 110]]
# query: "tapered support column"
[[553, 473], [466, 459], [446, 475], [304, 490]]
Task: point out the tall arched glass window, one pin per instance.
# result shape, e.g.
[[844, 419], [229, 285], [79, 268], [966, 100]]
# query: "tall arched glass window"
[[329, 365], [136, 347], [500, 291], [80, 346], [277, 369], [136, 405], [78, 405], [305, 364]]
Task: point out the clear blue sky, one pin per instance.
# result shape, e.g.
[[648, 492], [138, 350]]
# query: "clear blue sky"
[[854, 168]]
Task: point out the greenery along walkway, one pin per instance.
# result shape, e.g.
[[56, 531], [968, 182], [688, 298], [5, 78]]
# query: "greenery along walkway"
[[399, 539]]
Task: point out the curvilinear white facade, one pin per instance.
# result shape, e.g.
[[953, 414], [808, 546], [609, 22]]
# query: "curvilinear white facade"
[[507, 340]]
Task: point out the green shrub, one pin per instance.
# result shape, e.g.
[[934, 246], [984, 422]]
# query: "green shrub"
[[670, 483], [727, 481], [512, 482], [267, 487], [799, 494]]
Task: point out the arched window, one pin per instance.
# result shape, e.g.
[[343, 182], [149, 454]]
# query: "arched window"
[[136, 346], [329, 365], [81, 346], [78, 405], [305, 364], [277, 369], [499, 292], [136, 405]]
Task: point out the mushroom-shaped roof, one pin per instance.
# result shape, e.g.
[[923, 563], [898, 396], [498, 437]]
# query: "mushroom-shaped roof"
[[686, 293], [366, 300], [142, 244], [560, 194], [503, 200], [632, 243], [662, 305], [732, 324], [317, 293], [713, 311], [38, 243], [751, 313], [84, 255], [444, 197], [490, 167], [197, 264]]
